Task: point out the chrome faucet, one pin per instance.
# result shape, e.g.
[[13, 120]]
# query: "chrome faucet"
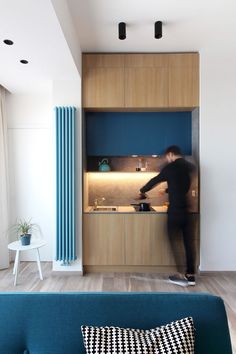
[[98, 201]]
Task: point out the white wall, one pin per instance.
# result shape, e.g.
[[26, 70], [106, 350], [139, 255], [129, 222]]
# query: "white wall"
[[66, 22], [31, 163], [32, 160], [217, 155]]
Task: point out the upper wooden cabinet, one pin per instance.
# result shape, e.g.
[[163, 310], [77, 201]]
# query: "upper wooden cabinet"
[[146, 80], [103, 81], [184, 80], [141, 80]]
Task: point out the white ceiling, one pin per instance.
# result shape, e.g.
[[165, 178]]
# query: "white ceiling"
[[38, 37], [43, 37], [187, 25]]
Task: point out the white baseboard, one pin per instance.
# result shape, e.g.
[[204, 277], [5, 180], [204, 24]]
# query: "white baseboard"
[[75, 266]]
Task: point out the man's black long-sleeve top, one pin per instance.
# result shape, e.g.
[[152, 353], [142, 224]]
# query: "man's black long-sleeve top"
[[177, 174]]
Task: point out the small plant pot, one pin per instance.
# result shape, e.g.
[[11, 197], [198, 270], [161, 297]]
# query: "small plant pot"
[[25, 239]]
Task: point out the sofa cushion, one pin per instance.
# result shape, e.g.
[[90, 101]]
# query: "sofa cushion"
[[176, 337]]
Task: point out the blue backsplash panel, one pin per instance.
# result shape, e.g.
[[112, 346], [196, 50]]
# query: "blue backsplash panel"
[[137, 133]]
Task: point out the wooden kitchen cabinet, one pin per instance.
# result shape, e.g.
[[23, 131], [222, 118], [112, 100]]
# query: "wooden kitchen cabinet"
[[178, 257], [151, 81], [146, 241], [184, 80], [103, 239], [146, 80], [103, 81], [132, 240]]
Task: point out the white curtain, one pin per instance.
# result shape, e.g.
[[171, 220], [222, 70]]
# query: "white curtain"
[[4, 254]]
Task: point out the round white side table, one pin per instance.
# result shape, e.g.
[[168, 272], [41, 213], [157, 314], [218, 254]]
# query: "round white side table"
[[17, 246]]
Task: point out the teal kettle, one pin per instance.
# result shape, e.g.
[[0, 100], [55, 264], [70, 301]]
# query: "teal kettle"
[[104, 166]]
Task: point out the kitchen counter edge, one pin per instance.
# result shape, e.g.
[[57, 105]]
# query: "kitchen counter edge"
[[130, 210]]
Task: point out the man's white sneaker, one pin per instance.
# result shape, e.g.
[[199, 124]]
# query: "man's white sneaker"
[[182, 280]]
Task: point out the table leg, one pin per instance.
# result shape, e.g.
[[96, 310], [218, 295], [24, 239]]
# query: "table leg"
[[39, 265], [16, 266]]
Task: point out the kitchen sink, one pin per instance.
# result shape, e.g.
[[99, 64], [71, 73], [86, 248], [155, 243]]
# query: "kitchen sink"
[[104, 208]]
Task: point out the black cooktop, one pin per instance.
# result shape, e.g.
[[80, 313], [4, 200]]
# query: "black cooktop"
[[136, 207]]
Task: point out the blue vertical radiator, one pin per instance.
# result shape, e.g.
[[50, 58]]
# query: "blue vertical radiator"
[[65, 184]]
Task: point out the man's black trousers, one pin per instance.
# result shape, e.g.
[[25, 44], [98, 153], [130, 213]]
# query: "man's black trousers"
[[181, 230]]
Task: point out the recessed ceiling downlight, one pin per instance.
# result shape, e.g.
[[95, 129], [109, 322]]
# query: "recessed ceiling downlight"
[[8, 42], [23, 61]]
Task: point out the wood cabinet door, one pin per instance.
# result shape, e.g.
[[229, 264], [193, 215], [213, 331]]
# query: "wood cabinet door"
[[103, 240], [145, 236], [175, 254], [184, 80], [103, 81], [146, 81]]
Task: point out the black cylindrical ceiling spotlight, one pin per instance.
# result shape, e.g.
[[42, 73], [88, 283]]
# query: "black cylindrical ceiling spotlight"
[[8, 42], [122, 30], [158, 29]]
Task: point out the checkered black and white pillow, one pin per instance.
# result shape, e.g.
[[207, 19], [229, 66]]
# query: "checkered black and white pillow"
[[174, 338]]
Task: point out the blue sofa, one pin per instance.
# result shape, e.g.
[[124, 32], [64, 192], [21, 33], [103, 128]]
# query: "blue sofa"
[[49, 323]]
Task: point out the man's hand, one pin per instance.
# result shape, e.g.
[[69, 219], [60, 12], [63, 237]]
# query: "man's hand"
[[141, 196]]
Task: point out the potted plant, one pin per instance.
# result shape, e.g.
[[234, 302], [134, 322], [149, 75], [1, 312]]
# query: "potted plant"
[[23, 229]]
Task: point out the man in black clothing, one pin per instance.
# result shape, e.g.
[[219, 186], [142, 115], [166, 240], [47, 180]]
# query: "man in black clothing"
[[177, 174]]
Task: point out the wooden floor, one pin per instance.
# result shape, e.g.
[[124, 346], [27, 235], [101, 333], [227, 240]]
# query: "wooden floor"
[[222, 284]]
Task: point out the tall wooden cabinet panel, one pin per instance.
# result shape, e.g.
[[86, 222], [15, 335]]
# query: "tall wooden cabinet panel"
[[184, 80], [103, 80], [145, 239], [103, 241], [146, 80]]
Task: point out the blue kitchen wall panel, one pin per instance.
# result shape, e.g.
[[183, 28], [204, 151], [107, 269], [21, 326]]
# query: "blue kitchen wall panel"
[[140, 133]]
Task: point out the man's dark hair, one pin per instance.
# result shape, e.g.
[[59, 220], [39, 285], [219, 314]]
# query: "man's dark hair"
[[174, 149]]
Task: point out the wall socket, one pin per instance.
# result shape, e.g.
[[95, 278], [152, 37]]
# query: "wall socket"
[[194, 194]]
